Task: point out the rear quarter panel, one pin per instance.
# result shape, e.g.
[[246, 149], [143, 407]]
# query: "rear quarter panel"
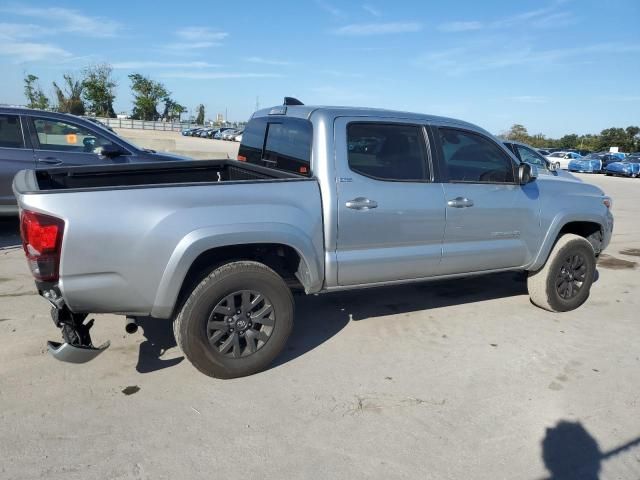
[[128, 250]]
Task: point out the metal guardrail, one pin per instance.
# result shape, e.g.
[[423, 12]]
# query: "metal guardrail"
[[144, 124]]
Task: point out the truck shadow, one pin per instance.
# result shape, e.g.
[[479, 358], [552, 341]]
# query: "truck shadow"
[[320, 317], [159, 338], [9, 232]]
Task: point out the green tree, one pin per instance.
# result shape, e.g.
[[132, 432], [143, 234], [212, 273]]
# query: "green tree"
[[615, 137], [569, 141], [33, 92], [99, 89], [147, 94], [200, 117], [70, 100], [177, 110], [518, 133]]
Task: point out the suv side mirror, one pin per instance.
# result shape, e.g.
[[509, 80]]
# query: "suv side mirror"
[[111, 151], [527, 173]]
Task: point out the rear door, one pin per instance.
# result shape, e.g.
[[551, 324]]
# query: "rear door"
[[492, 220], [61, 142], [15, 155], [391, 214]]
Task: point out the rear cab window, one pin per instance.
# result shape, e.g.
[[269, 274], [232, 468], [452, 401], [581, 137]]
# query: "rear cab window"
[[281, 143]]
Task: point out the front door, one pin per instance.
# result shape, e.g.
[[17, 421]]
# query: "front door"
[[492, 220], [391, 215], [63, 143], [15, 155]]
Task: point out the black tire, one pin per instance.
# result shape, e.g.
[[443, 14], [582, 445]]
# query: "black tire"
[[192, 327], [564, 282]]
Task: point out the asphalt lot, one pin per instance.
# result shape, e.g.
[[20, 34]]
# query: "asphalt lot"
[[458, 379]]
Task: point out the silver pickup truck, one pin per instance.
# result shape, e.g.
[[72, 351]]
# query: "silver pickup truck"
[[320, 199]]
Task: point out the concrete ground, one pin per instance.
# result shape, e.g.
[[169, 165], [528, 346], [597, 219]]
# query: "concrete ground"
[[174, 142], [459, 379]]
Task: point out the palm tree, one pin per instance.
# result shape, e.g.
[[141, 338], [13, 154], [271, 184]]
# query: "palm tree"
[[70, 101]]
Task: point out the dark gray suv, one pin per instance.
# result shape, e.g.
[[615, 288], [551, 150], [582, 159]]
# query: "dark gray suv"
[[38, 139]]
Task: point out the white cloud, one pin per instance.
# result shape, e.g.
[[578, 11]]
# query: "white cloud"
[[340, 74], [546, 17], [217, 75], [372, 10], [142, 64], [332, 10], [69, 21], [28, 52], [201, 34], [189, 46], [529, 99], [20, 30], [460, 26], [365, 29], [267, 61], [461, 60]]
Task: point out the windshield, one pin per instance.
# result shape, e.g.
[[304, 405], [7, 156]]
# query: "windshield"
[[557, 154]]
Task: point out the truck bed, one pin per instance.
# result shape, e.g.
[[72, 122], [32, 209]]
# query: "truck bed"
[[144, 175]]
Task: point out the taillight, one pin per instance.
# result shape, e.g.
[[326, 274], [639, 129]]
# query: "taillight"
[[42, 242]]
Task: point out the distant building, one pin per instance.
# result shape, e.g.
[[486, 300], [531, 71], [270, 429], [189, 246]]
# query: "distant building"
[[219, 118], [122, 116]]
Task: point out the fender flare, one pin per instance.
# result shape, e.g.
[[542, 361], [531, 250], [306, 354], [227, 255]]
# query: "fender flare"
[[195, 243], [561, 219]]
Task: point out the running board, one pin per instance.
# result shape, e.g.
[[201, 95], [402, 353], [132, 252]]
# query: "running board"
[[73, 354]]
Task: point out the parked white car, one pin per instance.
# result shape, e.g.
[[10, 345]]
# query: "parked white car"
[[562, 159]]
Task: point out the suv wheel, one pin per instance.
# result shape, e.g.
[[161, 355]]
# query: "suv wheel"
[[564, 282], [236, 321]]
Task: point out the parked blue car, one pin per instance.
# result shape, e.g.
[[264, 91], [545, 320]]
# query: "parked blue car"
[[627, 168], [592, 163]]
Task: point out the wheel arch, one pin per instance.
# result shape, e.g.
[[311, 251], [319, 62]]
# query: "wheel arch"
[[589, 227], [286, 249]]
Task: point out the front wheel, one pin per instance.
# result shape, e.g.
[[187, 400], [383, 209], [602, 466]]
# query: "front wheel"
[[564, 282], [236, 321]]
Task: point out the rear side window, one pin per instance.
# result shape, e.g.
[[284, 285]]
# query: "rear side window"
[[10, 132], [470, 157], [282, 143], [387, 151]]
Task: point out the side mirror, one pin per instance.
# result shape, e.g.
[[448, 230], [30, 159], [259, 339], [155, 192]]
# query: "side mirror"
[[527, 173], [111, 151]]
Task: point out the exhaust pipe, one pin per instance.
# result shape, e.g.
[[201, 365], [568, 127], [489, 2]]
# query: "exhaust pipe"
[[131, 326]]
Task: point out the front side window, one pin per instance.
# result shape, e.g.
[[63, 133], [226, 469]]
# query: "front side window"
[[10, 132], [392, 152], [470, 157], [529, 156], [67, 137]]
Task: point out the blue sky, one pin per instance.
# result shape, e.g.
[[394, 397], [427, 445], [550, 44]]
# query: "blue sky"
[[555, 66]]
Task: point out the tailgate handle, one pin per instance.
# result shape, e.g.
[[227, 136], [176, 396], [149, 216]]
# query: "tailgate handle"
[[50, 161], [361, 203]]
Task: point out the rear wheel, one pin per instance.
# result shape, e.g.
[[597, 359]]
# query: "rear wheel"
[[564, 282], [236, 321]]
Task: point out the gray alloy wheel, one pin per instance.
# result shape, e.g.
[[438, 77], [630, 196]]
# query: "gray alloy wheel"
[[241, 323]]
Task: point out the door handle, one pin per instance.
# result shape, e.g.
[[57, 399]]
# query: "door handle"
[[50, 161], [460, 202], [361, 203]]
